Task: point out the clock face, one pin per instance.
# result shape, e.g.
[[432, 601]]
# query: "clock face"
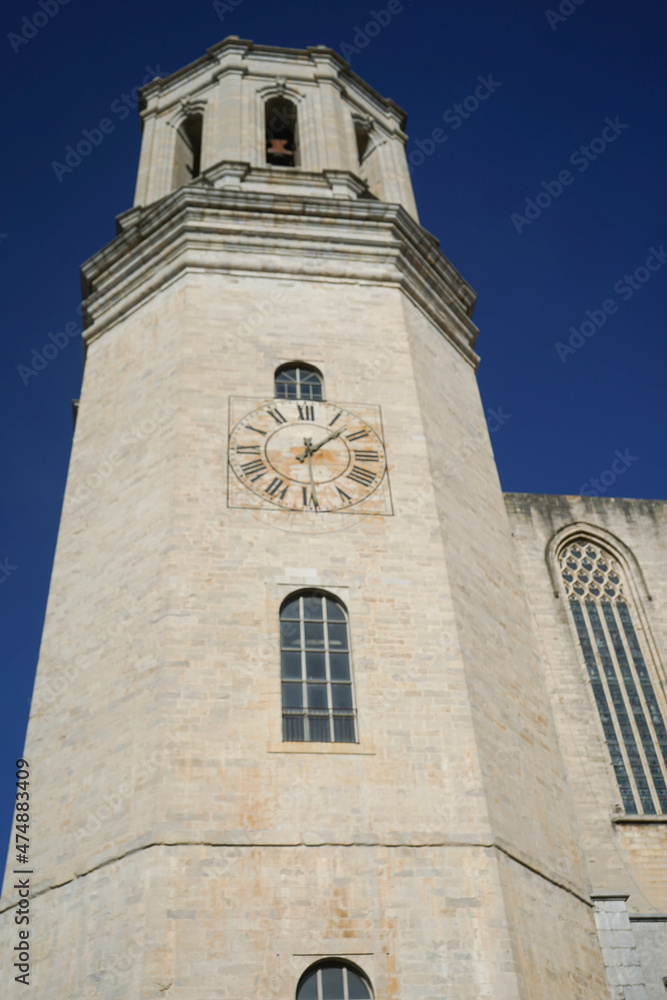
[[307, 455]]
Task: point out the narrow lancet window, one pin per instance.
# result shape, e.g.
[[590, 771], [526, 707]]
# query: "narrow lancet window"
[[618, 668], [281, 132], [317, 694], [187, 160]]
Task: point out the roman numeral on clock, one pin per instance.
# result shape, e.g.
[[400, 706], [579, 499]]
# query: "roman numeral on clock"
[[274, 488], [338, 415], [342, 494], [255, 469], [249, 427], [247, 449], [357, 435], [308, 498], [363, 476], [366, 456], [276, 414], [306, 412]]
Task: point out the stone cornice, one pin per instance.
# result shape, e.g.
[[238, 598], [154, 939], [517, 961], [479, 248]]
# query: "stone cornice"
[[236, 231], [217, 56]]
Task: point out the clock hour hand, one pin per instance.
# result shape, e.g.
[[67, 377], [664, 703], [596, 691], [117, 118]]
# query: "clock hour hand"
[[308, 442]]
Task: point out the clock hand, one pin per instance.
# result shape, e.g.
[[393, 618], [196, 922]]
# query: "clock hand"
[[330, 437], [310, 449], [313, 491]]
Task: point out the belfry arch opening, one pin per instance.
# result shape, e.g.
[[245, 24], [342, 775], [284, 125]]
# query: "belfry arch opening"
[[363, 136], [280, 121], [187, 158]]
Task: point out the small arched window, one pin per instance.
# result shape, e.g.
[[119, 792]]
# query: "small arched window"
[[317, 695], [619, 663], [187, 159], [333, 980], [298, 381], [281, 132]]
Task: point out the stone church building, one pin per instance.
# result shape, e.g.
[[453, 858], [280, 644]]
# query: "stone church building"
[[321, 713]]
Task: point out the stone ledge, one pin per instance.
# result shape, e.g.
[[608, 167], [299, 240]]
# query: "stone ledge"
[[232, 231], [327, 748], [621, 820]]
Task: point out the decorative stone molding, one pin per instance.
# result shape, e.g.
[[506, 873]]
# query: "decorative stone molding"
[[184, 109], [364, 121], [327, 233], [280, 88], [607, 540]]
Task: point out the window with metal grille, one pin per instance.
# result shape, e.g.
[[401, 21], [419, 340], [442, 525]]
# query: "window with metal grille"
[[317, 690], [333, 981], [620, 669], [298, 381]]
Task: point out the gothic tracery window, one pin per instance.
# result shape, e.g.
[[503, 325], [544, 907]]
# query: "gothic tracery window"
[[620, 669], [334, 980], [298, 381], [317, 695]]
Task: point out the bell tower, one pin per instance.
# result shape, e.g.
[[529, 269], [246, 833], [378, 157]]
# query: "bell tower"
[[290, 735], [241, 110]]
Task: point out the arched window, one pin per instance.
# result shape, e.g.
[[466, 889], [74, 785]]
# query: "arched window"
[[333, 980], [619, 666], [318, 700], [362, 132], [298, 381], [281, 132], [187, 159]]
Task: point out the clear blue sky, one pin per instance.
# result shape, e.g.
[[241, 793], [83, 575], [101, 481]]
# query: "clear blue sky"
[[561, 422]]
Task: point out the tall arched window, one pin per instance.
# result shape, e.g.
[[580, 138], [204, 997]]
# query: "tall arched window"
[[362, 133], [298, 381], [619, 666], [333, 980], [187, 158], [281, 132], [317, 694]]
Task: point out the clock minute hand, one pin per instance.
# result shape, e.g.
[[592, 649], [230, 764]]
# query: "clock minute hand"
[[330, 437], [310, 449], [313, 491]]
